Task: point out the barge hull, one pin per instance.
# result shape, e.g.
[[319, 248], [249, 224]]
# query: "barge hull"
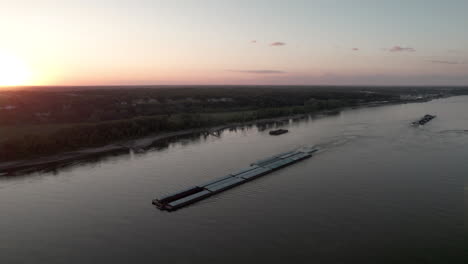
[[260, 168]]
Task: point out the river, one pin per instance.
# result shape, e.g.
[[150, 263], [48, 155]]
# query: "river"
[[380, 191]]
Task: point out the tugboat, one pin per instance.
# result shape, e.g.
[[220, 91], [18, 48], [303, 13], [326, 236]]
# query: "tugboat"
[[278, 132], [425, 119]]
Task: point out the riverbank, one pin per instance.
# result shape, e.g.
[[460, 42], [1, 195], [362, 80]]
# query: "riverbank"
[[142, 144], [51, 162]]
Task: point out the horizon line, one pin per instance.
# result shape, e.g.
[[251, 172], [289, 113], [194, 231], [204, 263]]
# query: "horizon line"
[[233, 85]]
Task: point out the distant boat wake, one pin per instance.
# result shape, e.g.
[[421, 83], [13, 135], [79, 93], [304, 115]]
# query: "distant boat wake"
[[454, 131]]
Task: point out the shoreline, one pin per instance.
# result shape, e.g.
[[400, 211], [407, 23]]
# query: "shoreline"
[[26, 166]]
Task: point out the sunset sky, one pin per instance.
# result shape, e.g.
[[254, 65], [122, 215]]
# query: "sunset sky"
[[302, 42]]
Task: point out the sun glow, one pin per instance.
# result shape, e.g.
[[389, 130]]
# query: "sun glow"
[[13, 71]]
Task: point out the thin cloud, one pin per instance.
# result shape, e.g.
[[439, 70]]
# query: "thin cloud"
[[258, 71], [277, 44], [355, 49], [446, 62], [402, 49], [253, 41]]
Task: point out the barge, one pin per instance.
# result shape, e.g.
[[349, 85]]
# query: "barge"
[[425, 119], [255, 170], [278, 132]]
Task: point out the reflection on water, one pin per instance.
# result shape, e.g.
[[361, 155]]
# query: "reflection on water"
[[165, 143], [382, 191], [455, 131]]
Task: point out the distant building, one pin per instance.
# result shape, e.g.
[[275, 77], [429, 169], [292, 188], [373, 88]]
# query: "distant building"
[[42, 114], [8, 107], [220, 100]]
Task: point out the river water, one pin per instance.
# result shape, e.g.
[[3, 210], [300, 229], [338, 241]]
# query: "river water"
[[380, 191]]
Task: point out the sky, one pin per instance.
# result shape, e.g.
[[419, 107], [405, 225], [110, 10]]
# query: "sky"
[[261, 42]]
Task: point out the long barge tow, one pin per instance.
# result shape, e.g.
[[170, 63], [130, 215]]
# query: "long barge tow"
[[255, 170]]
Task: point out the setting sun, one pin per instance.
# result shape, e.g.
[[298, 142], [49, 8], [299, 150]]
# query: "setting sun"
[[13, 71]]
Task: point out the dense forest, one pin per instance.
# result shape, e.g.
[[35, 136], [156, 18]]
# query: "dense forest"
[[44, 121]]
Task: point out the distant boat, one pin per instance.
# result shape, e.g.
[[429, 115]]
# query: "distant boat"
[[425, 119], [278, 132]]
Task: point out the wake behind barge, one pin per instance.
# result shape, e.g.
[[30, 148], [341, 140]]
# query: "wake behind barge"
[[260, 168]]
